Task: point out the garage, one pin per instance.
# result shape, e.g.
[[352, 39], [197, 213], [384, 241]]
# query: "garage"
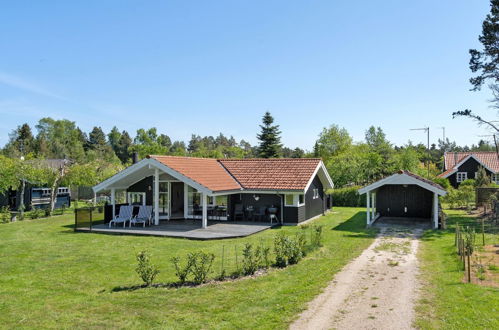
[[403, 195]]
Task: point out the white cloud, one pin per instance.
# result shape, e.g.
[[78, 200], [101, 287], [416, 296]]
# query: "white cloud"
[[26, 85]]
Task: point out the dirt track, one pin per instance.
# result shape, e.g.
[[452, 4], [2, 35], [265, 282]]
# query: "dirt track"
[[377, 290]]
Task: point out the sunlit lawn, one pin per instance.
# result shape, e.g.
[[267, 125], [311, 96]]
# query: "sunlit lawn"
[[447, 302], [53, 277]]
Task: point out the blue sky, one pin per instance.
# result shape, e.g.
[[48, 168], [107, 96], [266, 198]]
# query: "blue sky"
[[206, 67]]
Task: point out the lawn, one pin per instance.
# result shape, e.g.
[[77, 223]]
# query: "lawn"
[[447, 302], [52, 277]]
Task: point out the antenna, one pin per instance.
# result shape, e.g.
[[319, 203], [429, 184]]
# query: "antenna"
[[427, 131]]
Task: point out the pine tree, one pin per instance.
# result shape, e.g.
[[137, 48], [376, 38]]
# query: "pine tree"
[[270, 140], [122, 149], [96, 139]]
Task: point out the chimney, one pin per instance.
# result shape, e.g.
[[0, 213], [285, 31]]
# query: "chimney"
[[455, 159], [135, 157]]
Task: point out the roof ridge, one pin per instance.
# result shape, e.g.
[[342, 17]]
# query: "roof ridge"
[[230, 173]]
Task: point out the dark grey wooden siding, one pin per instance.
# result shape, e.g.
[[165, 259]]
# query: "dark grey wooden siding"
[[399, 201], [315, 206], [143, 186], [471, 167]]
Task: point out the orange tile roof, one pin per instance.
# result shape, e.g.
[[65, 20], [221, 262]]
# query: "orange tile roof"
[[207, 172], [272, 174], [447, 173], [487, 158]]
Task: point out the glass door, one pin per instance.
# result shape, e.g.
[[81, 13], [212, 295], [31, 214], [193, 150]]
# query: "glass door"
[[164, 200]]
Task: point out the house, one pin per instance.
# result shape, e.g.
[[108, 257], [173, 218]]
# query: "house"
[[286, 190], [403, 195], [36, 195], [460, 166]]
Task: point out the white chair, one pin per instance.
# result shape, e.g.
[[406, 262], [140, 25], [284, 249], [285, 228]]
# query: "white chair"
[[123, 216], [144, 216]]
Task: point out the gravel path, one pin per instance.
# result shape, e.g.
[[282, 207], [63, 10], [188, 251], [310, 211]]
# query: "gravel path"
[[377, 290]]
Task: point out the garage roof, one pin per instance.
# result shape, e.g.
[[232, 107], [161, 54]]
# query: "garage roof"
[[405, 177]]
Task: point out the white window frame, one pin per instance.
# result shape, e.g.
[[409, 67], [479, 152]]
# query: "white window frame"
[[494, 177], [130, 193], [286, 200], [460, 175], [298, 199], [316, 193]]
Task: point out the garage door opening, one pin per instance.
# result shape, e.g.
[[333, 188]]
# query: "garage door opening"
[[403, 196]]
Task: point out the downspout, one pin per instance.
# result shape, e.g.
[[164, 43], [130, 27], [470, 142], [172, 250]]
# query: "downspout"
[[282, 207]]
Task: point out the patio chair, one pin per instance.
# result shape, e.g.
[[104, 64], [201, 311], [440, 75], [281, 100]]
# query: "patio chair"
[[124, 215], [144, 216], [238, 211], [260, 213]]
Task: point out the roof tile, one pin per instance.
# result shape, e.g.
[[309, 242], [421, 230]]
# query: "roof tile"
[[488, 158]]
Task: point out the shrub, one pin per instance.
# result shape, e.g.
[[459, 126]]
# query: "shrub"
[[5, 214], [250, 260], [469, 240], [301, 239], [317, 235], [266, 256], [146, 270], [348, 196], [182, 271], [444, 182], [293, 251], [35, 213], [280, 250], [47, 211], [201, 265]]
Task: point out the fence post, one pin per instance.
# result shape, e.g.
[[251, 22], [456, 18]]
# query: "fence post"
[[76, 219], [223, 255], [469, 267], [483, 231]]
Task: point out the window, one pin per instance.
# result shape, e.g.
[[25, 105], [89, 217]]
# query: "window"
[[495, 178], [137, 198], [316, 193], [193, 202], [301, 200], [221, 200], [461, 176], [289, 200]]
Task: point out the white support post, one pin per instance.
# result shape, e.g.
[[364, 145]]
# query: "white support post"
[[373, 203], [205, 210], [156, 196], [186, 201], [113, 201], [435, 210], [368, 213]]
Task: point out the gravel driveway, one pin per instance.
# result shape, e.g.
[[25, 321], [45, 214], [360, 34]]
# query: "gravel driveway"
[[377, 290]]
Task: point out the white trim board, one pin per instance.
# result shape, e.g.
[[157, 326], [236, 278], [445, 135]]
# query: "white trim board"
[[401, 179]]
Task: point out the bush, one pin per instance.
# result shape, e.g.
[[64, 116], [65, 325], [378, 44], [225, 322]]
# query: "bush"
[[444, 182], [201, 265], [47, 211], [35, 213], [5, 214], [251, 260], [145, 269], [182, 271], [280, 250], [348, 196], [317, 235], [266, 256], [301, 239], [293, 251]]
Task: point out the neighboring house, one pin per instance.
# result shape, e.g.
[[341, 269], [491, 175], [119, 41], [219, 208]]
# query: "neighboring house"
[[460, 166], [36, 196], [288, 190]]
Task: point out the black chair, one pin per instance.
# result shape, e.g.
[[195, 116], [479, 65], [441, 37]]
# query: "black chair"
[[260, 213], [238, 211]]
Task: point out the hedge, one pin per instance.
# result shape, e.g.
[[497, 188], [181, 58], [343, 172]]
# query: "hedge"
[[348, 197]]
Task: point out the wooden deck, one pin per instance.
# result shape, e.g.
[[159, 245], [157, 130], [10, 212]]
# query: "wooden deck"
[[190, 229]]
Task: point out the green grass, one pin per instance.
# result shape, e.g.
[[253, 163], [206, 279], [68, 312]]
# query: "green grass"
[[53, 277], [447, 302]]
